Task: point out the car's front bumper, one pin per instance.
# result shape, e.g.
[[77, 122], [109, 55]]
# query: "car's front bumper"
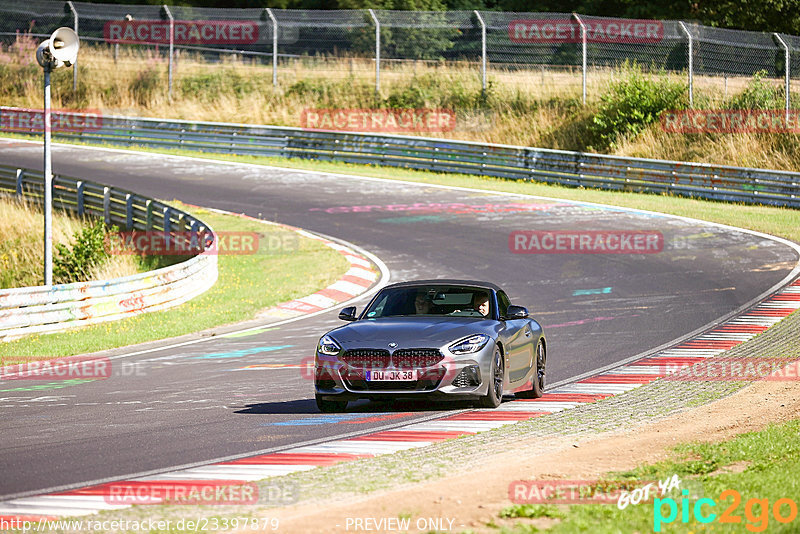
[[455, 377]]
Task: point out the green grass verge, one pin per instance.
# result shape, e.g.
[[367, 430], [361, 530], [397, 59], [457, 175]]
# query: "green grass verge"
[[781, 222], [246, 284], [762, 467]]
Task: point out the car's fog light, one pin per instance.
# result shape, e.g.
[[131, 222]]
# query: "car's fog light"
[[469, 376]]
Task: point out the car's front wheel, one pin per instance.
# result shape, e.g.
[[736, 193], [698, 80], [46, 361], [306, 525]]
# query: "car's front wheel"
[[494, 392], [329, 406]]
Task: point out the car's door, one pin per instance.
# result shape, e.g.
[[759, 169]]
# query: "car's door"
[[517, 337]]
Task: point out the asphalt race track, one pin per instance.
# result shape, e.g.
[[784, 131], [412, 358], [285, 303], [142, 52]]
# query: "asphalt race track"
[[204, 401]]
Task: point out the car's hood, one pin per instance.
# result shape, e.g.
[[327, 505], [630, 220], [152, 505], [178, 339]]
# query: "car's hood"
[[410, 332]]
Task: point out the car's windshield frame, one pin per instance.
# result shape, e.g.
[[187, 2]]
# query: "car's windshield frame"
[[407, 306]]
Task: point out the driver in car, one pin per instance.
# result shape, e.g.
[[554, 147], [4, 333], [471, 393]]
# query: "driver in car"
[[422, 304], [480, 302]]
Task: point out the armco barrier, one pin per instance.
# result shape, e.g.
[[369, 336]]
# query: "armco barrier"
[[39, 309], [716, 182]]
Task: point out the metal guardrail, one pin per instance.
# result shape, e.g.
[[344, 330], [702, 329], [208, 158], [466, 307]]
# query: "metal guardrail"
[[40, 309], [578, 169]]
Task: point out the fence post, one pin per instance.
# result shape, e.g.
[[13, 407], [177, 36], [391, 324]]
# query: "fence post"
[[787, 67], [171, 45], [377, 52], [691, 61], [583, 54], [274, 47], [74, 65], [483, 51]]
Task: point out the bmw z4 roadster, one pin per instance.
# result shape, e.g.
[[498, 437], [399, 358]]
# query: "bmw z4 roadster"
[[443, 339]]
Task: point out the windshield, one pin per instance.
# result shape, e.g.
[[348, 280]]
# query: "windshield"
[[436, 300]]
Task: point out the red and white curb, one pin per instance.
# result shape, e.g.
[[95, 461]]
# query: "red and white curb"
[[733, 332]]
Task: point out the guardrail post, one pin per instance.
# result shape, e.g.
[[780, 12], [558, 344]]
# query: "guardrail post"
[[377, 52], [171, 45], [20, 176], [167, 214], [483, 51], [148, 217], [107, 205], [79, 197], [688, 34], [74, 65], [274, 47], [787, 67], [167, 226], [583, 56], [128, 211]]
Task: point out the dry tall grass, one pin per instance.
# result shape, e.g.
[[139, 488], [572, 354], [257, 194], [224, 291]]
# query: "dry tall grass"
[[522, 107], [22, 250]]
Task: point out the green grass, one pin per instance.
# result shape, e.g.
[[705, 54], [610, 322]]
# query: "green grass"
[[771, 460], [531, 511], [246, 284]]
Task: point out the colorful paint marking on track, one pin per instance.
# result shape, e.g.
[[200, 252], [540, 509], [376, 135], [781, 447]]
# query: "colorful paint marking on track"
[[598, 291], [342, 418], [239, 353], [624, 378]]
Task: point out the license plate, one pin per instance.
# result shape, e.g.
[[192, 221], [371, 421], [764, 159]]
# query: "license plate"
[[391, 376]]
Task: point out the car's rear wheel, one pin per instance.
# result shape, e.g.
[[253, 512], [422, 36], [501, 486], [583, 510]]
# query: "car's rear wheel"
[[538, 379], [494, 392], [329, 406]]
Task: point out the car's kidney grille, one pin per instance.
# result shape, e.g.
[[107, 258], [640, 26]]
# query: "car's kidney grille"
[[367, 358], [416, 358]]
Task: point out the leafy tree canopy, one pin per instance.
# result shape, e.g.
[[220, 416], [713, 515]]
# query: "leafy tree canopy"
[[756, 15]]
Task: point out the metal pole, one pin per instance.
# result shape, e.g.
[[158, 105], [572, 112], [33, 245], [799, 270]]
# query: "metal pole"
[[691, 62], [48, 186], [787, 66], [583, 55], [274, 47], [74, 65], [377, 52], [483, 51], [171, 46]]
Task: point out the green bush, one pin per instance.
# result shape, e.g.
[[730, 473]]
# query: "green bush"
[[632, 104], [758, 95], [208, 86], [146, 85], [87, 251]]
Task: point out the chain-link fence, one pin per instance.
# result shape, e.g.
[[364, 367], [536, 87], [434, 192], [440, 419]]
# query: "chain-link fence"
[[564, 49]]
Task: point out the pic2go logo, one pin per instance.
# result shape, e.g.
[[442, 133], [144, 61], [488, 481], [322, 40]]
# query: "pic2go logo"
[[756, 511]]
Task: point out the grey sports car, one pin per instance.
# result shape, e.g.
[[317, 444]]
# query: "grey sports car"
[[455, 339]]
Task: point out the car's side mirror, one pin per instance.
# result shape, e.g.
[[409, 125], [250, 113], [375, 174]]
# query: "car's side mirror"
[[516, 312], [348, 314]]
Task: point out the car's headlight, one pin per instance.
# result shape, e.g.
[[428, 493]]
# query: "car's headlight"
[[469, 344], [329, 346]]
